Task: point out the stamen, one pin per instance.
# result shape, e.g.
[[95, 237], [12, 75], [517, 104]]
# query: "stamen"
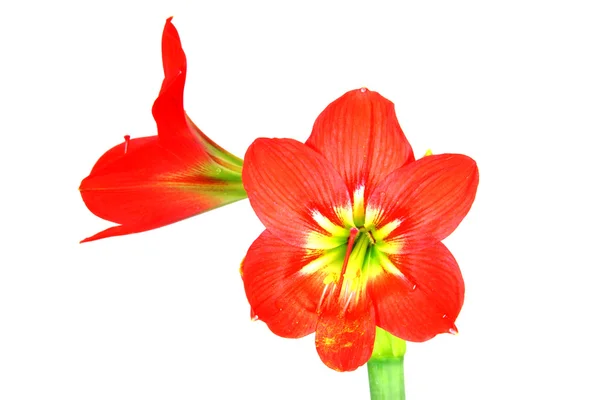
[[353, 233], [127, 137], [333, 290], [345, 289], [322, 298], [335, 284], [347, 302], [371, 237]]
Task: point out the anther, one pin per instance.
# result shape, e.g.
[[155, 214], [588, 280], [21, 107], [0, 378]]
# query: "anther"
[[371, 237]]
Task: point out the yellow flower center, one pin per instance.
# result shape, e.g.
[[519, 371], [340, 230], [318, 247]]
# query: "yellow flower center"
[[352, 253]]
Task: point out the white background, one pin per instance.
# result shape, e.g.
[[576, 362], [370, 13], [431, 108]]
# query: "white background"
[[163, 315]]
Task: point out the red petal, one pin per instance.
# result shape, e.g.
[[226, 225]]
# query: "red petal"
[[345, 340], [175, 129], [149, 187], [118, 152], [168, 107], [118, 230], [430, 197], [286, 182], [418, 313], [216, 152], [168, 111], [360, 134], [281, 296]]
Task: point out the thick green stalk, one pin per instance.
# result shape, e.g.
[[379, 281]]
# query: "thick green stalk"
[[386, 379], [386, 367]]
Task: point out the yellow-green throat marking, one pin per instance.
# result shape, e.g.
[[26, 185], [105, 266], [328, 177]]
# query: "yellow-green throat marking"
[[353, 253]]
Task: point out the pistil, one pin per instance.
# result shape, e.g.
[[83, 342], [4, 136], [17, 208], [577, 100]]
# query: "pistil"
[[333, 281], [353, 234], [127, 138]]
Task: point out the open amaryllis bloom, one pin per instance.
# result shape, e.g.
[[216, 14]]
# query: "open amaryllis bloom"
[[353, 232], [149, 182]]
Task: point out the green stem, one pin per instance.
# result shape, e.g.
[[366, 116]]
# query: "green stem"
[[386, 378], [386, 367]]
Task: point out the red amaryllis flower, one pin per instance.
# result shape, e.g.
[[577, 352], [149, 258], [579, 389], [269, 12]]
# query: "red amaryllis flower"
[[353, 231], [149, 182]]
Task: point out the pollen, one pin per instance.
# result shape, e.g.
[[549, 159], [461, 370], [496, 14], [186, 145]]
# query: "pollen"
[[331, 278], [328, 341]]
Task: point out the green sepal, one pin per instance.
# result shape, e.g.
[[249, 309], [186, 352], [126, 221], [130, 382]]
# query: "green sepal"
[[387, 346]]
